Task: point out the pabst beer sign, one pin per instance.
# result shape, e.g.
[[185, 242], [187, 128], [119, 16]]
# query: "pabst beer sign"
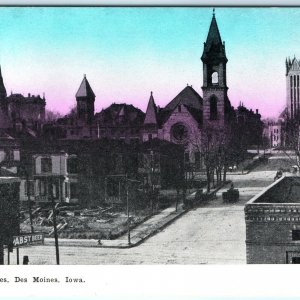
[[28, 239]]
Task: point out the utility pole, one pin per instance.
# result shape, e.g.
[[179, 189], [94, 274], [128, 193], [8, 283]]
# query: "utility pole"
[[1, 251], [18, 256], [54, 223], [29, 201], [128, 217]]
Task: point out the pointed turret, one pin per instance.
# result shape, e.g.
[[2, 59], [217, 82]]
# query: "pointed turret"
[[85, 89], [213, 44], [2, 87], [85, 98], [150, 117]]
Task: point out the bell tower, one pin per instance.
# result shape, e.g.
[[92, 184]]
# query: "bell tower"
[[214, 77], [85, 98]]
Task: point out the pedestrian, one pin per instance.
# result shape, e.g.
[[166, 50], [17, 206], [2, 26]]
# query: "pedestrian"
[[25, 260]]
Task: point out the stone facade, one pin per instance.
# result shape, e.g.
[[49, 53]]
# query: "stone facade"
[[275, 134], [184, 119], [292, 87], [273, 224], [21, 112]]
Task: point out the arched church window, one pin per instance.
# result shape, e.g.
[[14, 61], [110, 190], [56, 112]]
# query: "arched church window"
[[213, 108], [215, 78]]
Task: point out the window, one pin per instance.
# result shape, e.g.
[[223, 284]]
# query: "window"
[[17, 155], [46, 164], [31, 188], [73, 190], [197, 160], [186, 157], [179, 108], [180, 132], [296, 260], [149, 137], [215, 78], [9, 155], [67, 192], [213, 108], [296, 235], [72, 165], [42, 188], [55, 190]]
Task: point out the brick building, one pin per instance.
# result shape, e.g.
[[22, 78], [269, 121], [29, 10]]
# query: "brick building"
[[273, 224], [19, 112]]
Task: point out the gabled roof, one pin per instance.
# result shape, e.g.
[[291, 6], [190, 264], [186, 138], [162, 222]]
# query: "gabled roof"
[[189, 97], [151, 111], [85, 89], [110, 116]]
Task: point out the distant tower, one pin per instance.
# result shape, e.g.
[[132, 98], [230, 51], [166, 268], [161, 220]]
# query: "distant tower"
[[85, 98], [2, 87], [292, 87], [214, 86]]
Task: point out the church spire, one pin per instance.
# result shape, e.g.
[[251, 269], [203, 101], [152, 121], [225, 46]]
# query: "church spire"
[[2, 87], [213, 40], [150, 117]]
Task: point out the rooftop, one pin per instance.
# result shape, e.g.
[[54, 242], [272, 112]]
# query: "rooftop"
[[286, 190]]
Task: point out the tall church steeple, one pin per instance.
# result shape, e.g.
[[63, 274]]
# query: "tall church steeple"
[[214, 76], [85, 98], [2, 87]]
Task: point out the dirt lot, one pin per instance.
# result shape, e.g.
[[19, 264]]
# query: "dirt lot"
[[107, 222]]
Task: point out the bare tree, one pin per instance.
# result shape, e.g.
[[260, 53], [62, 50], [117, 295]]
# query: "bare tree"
[[291, 133], [51, 116]]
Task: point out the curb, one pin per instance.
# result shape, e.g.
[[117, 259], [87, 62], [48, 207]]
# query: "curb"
[[137, 243], [94, 243]]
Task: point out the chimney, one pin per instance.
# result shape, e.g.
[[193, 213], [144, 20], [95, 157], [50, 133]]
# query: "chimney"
[[28, 95]]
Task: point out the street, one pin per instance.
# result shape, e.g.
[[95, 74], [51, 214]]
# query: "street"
[[211, 234]]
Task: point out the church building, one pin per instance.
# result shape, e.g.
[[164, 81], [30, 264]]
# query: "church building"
[[183, 119]]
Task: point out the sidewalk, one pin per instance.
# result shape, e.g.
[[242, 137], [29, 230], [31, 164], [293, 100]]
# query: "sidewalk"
[[137, 235]]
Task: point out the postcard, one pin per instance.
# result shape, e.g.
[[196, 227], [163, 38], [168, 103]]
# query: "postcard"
[[152, 136]]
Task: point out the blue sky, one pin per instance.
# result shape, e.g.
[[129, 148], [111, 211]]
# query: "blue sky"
[[128, 52]]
